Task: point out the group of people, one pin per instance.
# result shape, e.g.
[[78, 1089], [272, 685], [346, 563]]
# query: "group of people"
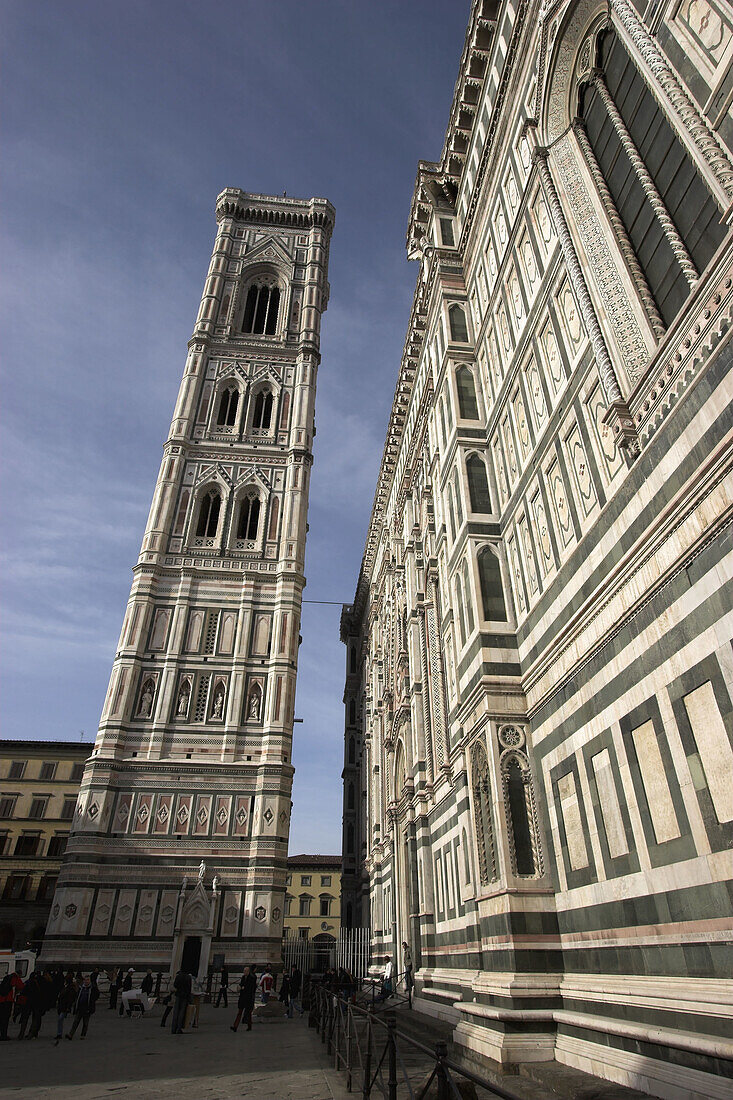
[[26, 1003]]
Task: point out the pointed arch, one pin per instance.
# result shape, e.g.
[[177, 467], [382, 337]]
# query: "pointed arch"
[[209, 512], [478, 484], [227, 405], [491, 585], [482, 814], [457, 323], [467, 400]]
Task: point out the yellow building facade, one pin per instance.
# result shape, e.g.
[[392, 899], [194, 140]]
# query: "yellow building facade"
[[313, 898], [39, 785]]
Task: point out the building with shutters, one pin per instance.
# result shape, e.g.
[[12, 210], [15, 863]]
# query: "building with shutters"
[[179, 844], [39, 785], [538, 770]]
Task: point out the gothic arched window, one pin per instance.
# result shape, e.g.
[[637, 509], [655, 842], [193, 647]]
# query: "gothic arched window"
[[457, 323], [209, 510], [469, 601], [478, 484], [482, 815], [492, 589], [228, 402], [458, 589], [262, 413], [459, 505], [518, 795], [261, 309], [467, 403], [672, 220], [249, 518], [352, 712]]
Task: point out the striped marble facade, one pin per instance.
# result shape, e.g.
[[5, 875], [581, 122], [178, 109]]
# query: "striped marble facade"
[[539, 725]]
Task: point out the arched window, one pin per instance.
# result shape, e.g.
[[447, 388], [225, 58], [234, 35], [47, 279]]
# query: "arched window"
[[457, 323], [492, 589], [517, 793], [467, 595], [482, 815], [350, 797], [352, 750], [262, 414], [350, 839], [249, 518], [352, 658], [672, 220], [352, 712], [261, 309], [228, 402], [209, 510], [441, 409], [451, 513], [467, 403], [478, 484]]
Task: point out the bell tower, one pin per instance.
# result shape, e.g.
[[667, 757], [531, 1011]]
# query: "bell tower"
[[190, 778]]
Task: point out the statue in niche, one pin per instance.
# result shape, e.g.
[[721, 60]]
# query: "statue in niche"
[[253, 710], [146, 702], [184, 884], [215, 883], [183, 698], [218, 703], [202, 870]]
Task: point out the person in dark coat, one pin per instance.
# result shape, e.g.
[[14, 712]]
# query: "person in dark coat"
[[182, 986], [223, 988], [246, 1000], [126, 987], [114, 986], [296, 980], [284, 997], [65, 1004], [31, 1006], [86, 999], [146, 985]]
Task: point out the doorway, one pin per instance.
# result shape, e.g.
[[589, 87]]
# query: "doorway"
[[191, 955]]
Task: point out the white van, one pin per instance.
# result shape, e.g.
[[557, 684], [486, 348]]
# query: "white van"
[[17, 962]]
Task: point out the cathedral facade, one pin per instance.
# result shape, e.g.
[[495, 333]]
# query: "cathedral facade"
[[538, 769], [178, 850]]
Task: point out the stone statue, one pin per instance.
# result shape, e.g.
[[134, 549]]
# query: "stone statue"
[[146, 703], [254, 705], [215, 883], [184, 884], [218, 703], [202, 870], [182, 708]]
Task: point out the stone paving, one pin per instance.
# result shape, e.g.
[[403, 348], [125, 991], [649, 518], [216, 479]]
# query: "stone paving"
[[121, 1057]]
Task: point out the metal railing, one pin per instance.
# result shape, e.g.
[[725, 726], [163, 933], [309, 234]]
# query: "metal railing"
[[367, 1046]]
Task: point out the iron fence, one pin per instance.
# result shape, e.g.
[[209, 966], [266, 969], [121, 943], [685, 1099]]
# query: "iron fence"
[[368, 1048]]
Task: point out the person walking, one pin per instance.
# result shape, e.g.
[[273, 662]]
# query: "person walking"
[[266, 984], [284, 997], [296, 980], [31, 1006], [182, 986], [65, 1004], [114, 986], [7, 996], [146, 986], [223, 988], [246, 999], [126, 987], [86, 999]]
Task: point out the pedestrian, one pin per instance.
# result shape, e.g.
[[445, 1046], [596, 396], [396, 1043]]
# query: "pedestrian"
[[46, 1001], [182, 986], [31, 1010], [114, 986], [387, 981], [126, 987], [146, 986], [167, 1002], [246, 999], [407, 964], [86, 999], [296, 980], [7, 996], [223, 988], [65, 1004], [19, 990], [284, 997], [266, 984]]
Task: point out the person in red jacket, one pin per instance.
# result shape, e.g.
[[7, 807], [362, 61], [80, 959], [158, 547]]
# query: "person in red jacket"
[[7, 996], [266, 984]]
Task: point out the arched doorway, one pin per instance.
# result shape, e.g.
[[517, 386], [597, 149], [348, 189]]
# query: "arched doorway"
[[323, 952]]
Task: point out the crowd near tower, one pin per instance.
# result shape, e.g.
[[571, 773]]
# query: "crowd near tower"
[[179, 842], [538, 771]]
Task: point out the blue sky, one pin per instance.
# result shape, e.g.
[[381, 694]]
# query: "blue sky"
[[122, 121]]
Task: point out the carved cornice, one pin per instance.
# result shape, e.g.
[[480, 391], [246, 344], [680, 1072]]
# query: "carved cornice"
[[281, 211]]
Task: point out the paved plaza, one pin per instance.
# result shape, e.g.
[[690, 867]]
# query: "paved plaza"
[[121, 1057]]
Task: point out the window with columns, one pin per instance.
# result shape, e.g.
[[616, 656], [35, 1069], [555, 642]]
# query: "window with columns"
[[261, 308]]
